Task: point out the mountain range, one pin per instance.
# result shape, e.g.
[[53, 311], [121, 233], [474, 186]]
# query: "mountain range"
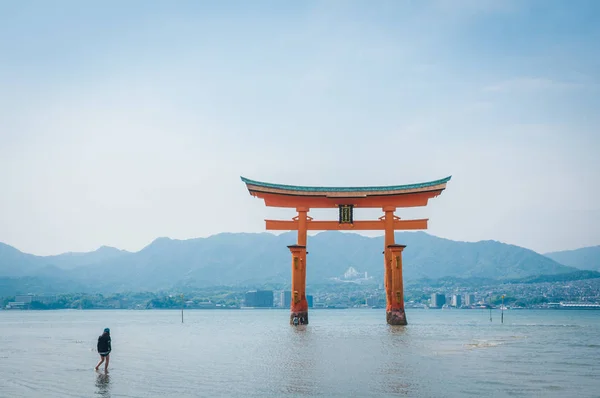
[[257, 258], [587, 258]]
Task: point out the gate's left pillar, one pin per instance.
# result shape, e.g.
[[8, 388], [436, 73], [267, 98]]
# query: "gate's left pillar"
[[396, 314], [299, 305]]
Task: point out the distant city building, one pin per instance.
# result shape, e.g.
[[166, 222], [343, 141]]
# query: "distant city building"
[[286, 299], [438, 300], [259, 298], [352, 275], [373, 301], [470, 299], [16, 305], [456, 300], [23, 301], [24, 298], [46, 298]]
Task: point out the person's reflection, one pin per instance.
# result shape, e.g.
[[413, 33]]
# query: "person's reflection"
[[103, 384]]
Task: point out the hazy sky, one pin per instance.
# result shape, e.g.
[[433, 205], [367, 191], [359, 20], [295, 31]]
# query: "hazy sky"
[[121, 122]]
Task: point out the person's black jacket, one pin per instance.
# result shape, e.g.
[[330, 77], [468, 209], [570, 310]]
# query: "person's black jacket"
[[104, 343]]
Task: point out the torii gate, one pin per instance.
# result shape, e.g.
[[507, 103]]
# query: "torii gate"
[[346, 199]]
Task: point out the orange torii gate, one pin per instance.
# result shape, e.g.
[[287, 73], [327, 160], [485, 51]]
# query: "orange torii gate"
[[346, 199]]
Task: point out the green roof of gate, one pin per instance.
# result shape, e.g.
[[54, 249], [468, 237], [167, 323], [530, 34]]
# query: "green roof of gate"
[[346, 189]]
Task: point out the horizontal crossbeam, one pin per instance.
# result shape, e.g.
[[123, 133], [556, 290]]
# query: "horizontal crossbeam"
[[379, 225]]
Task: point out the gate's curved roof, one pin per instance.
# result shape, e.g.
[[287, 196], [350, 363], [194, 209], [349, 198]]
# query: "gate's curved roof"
[[297, 190]]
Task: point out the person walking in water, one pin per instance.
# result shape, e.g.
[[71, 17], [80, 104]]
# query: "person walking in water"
[[104, 349]]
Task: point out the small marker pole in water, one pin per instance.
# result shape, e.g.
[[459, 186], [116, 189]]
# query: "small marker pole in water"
[[490, 307], [182, 304], [502, 313]]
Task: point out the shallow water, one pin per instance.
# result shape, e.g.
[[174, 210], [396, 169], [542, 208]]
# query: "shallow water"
[[341, 353]]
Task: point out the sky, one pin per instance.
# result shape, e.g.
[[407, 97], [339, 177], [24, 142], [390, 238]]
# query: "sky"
[[121, 122]]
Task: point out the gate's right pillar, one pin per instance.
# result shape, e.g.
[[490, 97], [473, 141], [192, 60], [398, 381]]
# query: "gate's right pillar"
[[394, 287], [395, 313]]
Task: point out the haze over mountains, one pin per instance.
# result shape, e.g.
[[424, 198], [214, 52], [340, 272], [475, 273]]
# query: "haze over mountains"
[[255, 259]]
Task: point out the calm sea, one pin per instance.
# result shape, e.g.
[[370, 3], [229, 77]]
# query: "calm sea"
[[255, 353]]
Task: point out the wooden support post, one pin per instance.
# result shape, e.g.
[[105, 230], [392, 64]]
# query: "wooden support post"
[[388, 220], [396, 314], [302, 225], [299, 305]]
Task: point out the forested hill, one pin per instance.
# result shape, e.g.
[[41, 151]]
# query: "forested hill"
[[247, 258]]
